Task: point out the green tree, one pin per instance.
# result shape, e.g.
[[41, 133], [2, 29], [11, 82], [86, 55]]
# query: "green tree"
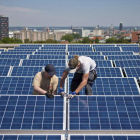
[[86, 40], [67, 37], [76, 36], [7, 40], [111, 40], [96, 40], [26, 40]]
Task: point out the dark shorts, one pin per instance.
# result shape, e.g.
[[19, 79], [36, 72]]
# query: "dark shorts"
[[77, 79]]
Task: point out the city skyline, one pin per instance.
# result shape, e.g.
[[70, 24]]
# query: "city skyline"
[[43, 13]]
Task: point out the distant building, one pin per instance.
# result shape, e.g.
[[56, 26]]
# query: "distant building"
[[10, 34], [4, 27], [134, 37], [121, 26], [78, 30], [111, 31]]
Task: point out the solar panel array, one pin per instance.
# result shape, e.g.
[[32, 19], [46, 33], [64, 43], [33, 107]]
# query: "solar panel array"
[[104, 113], [114, 106]]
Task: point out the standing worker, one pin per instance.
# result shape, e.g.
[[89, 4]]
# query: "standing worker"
[[85, 75], [46, 82]]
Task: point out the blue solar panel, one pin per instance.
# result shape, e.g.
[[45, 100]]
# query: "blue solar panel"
[[17, 52], [55, 46], [47, 57], [4, 70], [127, 63], [117, 53], [107, 49], [106, 72], [30, 137], [112, 86], [104, 137], [1, 50], [132, 72], [34, 62], [25, 71], [31, 112], [8, 56], [50, 53], [123, 57], [95, 57], [20, 50], [104, 113], [9, 62], [134, 49], [127, 45], [29, 46], [82, 48], [31, 71], [84, 53], [16, 85], [101, 63], [104, 45]]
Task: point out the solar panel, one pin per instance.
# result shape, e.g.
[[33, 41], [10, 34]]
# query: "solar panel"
[[132, 72], [55, 46], [4, 70], [47, 57], [106, 72], [16, 85], [41, 62], [104, 45], [104, 137], [95, 57], [104, 113], [50, 53], [113, 86], [107, 49], [134, 49], [17, 52], [30, 137], [127, 63], [29, 45], [127, 45], [103, 63], [84, 53], [9, 62], [1, 50], [31, 112], [13, 56], [123, 57], [117, 53], [80, 49], [32, 70]]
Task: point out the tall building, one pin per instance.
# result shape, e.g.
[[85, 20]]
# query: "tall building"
[[4, 27], [121, 26], [111, 31]]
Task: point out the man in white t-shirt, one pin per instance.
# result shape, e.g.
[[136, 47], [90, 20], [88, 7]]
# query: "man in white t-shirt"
[[84, 76]]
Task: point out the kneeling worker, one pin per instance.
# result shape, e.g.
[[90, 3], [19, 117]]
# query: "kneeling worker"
[[85, 75], [46, 82]]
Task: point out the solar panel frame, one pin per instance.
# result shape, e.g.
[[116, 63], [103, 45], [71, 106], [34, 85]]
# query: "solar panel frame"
[[18, 52], [18, 56], [107, 49], [4, 70], [134, 49]]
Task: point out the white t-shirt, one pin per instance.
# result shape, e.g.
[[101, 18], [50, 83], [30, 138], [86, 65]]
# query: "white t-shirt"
[[87, 64]]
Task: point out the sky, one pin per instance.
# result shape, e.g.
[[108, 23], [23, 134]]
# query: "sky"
[[45, 13]]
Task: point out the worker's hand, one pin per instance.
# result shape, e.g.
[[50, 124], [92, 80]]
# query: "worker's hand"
[[73, 94], [49, 95], [61, 92]]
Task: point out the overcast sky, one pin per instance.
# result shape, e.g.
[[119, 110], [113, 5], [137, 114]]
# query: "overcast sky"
[[71, 12]]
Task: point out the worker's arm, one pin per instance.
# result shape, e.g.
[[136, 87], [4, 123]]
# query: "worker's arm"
[[40, 90], [83, 83], [64, 76]]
